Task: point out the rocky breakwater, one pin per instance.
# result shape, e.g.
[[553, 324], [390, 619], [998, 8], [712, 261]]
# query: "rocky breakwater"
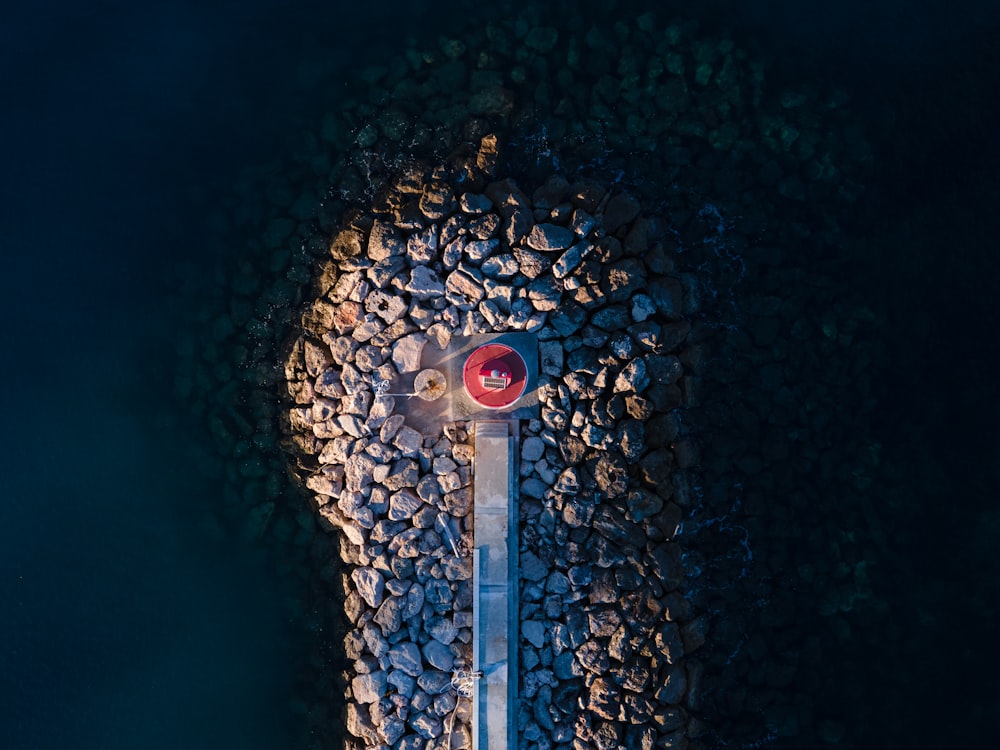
[[606, 473]]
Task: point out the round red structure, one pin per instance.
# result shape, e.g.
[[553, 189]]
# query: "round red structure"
[[495, 376]]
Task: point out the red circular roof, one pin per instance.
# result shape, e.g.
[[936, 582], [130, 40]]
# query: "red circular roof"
[[495, 376]]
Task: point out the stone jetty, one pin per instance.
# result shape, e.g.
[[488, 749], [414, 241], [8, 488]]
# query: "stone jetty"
[[606, 633]]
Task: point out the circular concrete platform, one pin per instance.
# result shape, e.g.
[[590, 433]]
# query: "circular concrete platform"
[[495, 376]]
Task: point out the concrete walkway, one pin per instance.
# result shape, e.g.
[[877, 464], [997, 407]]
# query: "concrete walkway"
[[495, 582]]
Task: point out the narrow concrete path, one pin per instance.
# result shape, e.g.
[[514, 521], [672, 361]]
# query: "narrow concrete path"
[[495, 581]]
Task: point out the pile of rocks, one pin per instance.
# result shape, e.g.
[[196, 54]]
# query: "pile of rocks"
[[749, 181], [605, 629]]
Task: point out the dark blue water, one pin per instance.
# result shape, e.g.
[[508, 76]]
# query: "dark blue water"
[[127, 620]]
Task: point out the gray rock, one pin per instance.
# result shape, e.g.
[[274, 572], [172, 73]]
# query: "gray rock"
[[593, 657], [582, 223], [459, 502], [531, 264], [384, 530], [408, 441], [669, 642], [391, 730], [422, 247], [413, 602], [479, 250], [666, 564], [566, 667], [358, 471], [385, 271], [463, 290], [434, 681], [369, 688], [642, 308], [533, 632], [557, 583], [531, 487], [359, 722], [375, 642], [370, 584], [570, 260], [405, 657], [672, 688], [634, 377], [347, 244], [604, 588], [532, 448], [643, 504], [502, 266], [424, 283], [549, 238], [551, 357], [611, 318], [384, 241], [621, 210], [668, 294], [390, 427], [568, 482], [437, 200], [438, 592], [441, 629], [475, 203], [403, 504], [352, 425], [404, 683], [456, 568], [439, 655], [604, 699], [611, 475], [492, 313], [568, 319], [532, 568], [389, 616], [426, 726], [403, 473], [406, 352]]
